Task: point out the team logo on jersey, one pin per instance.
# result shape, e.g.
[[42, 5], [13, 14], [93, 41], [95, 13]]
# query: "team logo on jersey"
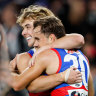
[[78, 92], [75, 93], [77, 85]]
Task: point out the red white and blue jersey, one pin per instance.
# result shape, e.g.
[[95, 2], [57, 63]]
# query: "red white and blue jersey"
[[66, 60], [46, 93], [31, 52]]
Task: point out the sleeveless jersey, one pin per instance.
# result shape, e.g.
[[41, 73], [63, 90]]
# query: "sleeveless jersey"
[[46, 93], [66, 60]]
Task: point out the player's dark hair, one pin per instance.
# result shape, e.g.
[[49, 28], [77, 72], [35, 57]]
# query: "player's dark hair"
[[50, 25]]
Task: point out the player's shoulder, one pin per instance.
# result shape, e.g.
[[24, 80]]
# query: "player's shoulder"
[[47, 55], [23, 56], [47, 52]]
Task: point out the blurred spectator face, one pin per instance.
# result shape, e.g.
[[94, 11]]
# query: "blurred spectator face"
[[8, 15], [77, 11], [78, 6], [92, 13], [92, 6], [56, 5]]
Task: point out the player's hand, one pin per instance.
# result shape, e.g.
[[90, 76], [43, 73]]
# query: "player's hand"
[[13, 64], [31, 63], [72, 76]]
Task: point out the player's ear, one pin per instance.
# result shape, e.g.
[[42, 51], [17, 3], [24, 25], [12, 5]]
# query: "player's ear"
[[52, 38]]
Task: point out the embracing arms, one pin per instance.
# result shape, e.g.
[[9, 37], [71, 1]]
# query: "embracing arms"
[[40, 83], [69, 41], [44, 83]]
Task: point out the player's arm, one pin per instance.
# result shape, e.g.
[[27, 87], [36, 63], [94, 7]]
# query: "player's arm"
[[69, 41], [13, 65], [19, 63], [40, 84], [44, 83], [21, 81], [90, 86]]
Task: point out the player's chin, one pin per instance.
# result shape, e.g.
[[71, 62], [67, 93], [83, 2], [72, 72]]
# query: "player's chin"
[[30, 44]]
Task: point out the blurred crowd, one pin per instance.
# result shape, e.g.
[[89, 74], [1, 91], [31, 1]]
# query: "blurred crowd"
[[78, 16]]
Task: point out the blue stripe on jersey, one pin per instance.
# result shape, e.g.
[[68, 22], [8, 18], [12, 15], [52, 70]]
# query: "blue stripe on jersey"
[[85, 71], [31, 52], [79, 67]]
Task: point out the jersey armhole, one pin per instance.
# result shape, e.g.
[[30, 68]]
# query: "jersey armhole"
[[59, 57]]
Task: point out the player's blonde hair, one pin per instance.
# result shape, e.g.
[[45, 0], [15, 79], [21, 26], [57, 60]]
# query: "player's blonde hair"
[[35, 12]]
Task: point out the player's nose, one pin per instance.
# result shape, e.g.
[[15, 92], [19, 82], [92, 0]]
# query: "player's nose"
[[24, 32]]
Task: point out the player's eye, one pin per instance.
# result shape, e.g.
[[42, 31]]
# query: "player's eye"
[[36, 38]]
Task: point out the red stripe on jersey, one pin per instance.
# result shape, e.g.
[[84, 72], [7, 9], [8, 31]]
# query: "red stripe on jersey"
[[29, 54], [60, 61], [47, 93], [63, 91]]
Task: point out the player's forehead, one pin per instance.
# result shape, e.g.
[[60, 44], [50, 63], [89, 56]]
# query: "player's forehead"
[[37, 30], [27, 22]]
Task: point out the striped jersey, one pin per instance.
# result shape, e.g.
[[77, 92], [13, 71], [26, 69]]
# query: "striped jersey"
[[68, 58]]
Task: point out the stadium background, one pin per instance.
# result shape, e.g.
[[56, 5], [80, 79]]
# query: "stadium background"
[[78, 16]]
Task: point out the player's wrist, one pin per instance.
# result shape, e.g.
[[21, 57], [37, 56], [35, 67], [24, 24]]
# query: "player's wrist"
[[62, 76], [65, 75]]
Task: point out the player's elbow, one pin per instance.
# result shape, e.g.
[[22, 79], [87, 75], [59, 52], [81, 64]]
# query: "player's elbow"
[[17, 87], [80, 40]]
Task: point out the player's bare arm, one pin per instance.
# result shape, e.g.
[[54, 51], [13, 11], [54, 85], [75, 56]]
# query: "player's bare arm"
[[90, 86], [69, 41], [19, 63], [44, 83], [22, 80]]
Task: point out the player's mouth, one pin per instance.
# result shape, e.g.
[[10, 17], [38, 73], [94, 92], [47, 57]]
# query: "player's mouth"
[[28, 38]]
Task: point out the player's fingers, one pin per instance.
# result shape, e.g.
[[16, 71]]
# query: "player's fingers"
[[78, 81], [79, 75], [73, 68], [78, 72], [79, 78], [31, 62]]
